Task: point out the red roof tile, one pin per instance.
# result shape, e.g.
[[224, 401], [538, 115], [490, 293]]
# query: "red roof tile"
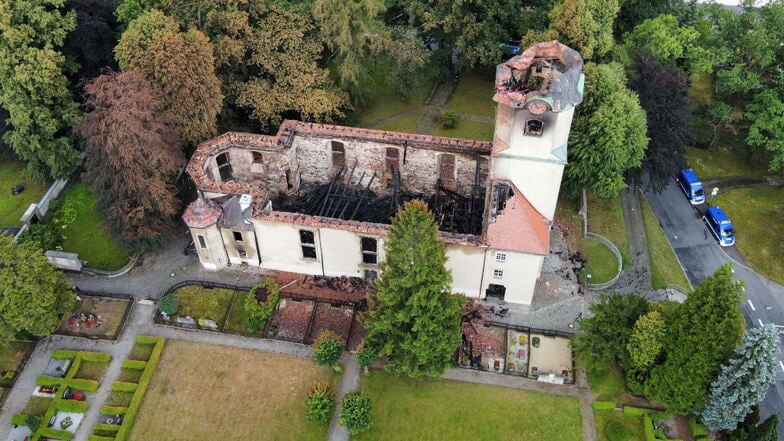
[[519, 227]]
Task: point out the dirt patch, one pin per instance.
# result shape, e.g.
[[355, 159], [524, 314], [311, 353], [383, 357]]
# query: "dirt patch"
[[291, 321], [334, 318], [95, 317]]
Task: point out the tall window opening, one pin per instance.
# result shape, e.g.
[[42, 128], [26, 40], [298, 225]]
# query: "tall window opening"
[[257, 158], [224, 167], [237, 236], [393, 158], [338, 154], [369, 251], [447, 171], [307, 240], [202, 242]]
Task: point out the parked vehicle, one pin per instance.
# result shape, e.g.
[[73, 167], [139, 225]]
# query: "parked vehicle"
[[691, 186], [720, 226]]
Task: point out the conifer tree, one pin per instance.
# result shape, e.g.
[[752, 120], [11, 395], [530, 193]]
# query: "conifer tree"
[[415, 319], [743, 381]]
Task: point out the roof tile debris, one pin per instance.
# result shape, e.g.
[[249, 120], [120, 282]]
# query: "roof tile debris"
[[519, 227], [557, 70]]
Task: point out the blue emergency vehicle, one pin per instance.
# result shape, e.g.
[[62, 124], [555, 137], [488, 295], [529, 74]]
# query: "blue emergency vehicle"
[[720, 226], [691, 186]]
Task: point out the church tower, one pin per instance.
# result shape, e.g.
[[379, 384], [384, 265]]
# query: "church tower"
[[536, 92]]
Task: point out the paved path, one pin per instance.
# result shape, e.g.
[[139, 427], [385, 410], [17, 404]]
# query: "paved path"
[[348, 383], [636, 277], [435, 105]]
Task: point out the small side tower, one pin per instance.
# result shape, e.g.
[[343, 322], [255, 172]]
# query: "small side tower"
[[536, 93], [202, 216]]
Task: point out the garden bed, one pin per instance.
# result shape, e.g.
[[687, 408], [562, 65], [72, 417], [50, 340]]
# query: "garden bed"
[[291, 321], [13, 356], [333, 318], [94, 316], [198, 302]]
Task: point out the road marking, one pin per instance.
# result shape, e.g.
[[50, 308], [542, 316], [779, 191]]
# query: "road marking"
[[782, 365], [760, 322], [751, 305]]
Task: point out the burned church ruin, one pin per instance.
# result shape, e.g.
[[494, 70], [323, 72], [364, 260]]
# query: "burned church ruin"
[[318, 198]]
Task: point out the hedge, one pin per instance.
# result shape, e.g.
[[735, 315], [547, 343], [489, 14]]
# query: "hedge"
[[71, 406], [647, 426], [74, 367], [603, 405], [634, 411], [82, 384], [121, 386], [64, 354], [136, 365], [20, 419], [144, 382], [99, 438], [114, 410], [108, 428], [148, 340], [45, 380], [697, 429], [48, 432], [97, 357]]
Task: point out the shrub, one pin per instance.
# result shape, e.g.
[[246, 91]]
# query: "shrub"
[[450, 119], [535, 342], [320, 402], [633, 411], [83, 384], [697, 429], [23, 419], [144, 382], [120, 386], [366, 356], [63, 354], [96, 357], [259, 310], [99, 438], [603, 405], [71, 406], [355, 412], [148, 340], [114, 410], [45, 236], [329, 348], [616, 431], [136, 365], [168, 304], [55, 434]]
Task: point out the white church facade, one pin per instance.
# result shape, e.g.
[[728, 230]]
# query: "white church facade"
[[317, 198]]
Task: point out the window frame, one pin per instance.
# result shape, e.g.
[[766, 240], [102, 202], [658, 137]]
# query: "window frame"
[[223, 162], [202, 241], [308, 246], [256, 157], [367, 253], [498, 274], [500, 256]]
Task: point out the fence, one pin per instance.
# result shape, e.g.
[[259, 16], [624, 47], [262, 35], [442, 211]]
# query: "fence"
[[274, 328], [606, 242]]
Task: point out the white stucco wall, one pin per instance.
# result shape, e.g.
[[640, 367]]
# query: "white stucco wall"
[[342, 253], [520, 274], [540, 182], [466, 264], [279, 247], [248, 244], [214, 256], [555, 134]]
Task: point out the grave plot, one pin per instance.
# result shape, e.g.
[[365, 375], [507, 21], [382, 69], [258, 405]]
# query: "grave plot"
[[291, 321], [483, 347], [334, 318], [95, 316]]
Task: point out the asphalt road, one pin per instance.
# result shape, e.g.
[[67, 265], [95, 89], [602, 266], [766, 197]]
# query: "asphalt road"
[[700, 255]]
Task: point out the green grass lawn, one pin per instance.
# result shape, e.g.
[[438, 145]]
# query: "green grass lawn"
[[13, 207], [605, 217], [601, 263], [474, 94], [434, 409], [722, 162], [140, 352], [91, 370], [758, 235], [199, 302], [384, 101], [665, 268], [406, 123], [86, 236], [607, 384], [467, 130], [701, 88], [130, 375], [37, 406], [119, 399], [633, 424], [238, 319], [12, 355]]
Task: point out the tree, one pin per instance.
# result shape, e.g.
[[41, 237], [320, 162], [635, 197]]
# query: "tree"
[[168, 304], [663, 93], [352, 32], [261, 303], [474, 27], [132, 157], [766, 114], [321, 401], [267, 60], [663, 37], [181, 66], [744, 379], [47, 236], [34, 87], [767, 431], [91, 43], [603, 338], [355, 414], [129, 10], [608, 134], [586, 25], [699, 339], [328, 348], [415, 319], [410, 59], [646, 340], [33, 293], [634, 12]]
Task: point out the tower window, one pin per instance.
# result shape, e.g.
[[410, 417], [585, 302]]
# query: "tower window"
[[500, 257], [224, 167], [338, 154], [498, 274], [447, 171], [369, 250], [202, 242], [257, 158], [534, 127], [237, 236], [307, 240]]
